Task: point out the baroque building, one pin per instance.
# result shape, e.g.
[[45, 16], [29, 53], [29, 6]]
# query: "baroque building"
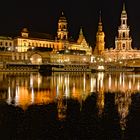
[[36, 48], [123, 43], [29, 40]]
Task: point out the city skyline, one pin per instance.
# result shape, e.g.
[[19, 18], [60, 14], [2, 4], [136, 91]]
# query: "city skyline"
[[43, 16]]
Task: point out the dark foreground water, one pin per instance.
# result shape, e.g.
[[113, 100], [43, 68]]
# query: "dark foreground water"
[[71, 106]]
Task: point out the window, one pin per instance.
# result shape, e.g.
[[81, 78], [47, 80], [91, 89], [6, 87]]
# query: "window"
[[123, 34], [6, 44], [123, 45], [123, 21], [0, 43], [64, 37], [10, 44]]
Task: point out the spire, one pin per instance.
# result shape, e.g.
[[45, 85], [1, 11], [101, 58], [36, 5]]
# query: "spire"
[[123, 6], [100, 22], [81, 31], [81, 36], [124, 11], [124, 14], [100, 17], [62, 14]]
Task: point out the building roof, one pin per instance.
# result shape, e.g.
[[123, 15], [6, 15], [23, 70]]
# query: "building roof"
[[41, 35], [5, 38]]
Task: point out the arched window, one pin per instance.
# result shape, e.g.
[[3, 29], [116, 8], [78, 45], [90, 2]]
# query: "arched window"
[[64, 37], [123, 34]]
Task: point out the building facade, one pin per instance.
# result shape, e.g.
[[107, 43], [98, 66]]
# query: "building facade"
[[22, 49], [123, 43], [6, 43], [61, 41]]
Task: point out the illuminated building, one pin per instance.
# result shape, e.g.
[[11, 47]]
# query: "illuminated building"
[[123, 48], [81, 44], [100, 43], [24, 48], [123, 41], [38, 48], [29, 40], [6, 43]]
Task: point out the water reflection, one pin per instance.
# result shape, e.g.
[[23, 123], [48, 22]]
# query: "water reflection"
[[23, 89]]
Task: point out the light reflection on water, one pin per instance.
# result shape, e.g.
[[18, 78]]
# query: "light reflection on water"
[[23, 89]]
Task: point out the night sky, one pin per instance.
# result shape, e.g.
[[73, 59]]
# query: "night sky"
[[42, 16]]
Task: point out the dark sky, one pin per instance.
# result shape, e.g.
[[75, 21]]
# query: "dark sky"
[[42, 16]]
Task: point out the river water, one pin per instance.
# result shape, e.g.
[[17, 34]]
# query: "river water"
[[25, 89]]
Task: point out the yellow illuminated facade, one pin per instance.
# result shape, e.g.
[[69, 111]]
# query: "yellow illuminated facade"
[[60, 42], [122, 53], [81, 44], [25, 42], [6, 43]]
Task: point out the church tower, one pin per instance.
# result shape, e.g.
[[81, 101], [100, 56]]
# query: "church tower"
[[123, 41], [62, 32], [100, 43]]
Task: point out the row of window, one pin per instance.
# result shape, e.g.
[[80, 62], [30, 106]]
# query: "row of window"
[[40, 45], [5, 43]]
